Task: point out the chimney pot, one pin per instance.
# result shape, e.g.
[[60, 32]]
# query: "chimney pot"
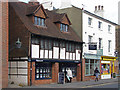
[[33, 2], [99, 7], [95, 8]]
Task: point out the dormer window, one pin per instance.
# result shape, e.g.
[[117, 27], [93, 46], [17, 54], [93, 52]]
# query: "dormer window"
[[64, 27], [39, 21]]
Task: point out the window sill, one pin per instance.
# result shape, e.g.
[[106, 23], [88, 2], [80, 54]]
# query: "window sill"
[[100, 29], [42, 78], [65, 32], [90, 26], [109, 32], [40, 26]]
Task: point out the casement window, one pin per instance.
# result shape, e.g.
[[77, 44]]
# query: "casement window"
[[62, 44], [90, 66], [42, 44], [100, 43], [43, 70], [89, 21], [63, 27], [109, 45], [39, 21], [55, 44], [99, 25], [109, 28], [46, 44], [50, 44]]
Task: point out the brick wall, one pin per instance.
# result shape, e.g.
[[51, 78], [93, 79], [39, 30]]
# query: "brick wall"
[[17, 30], [4, 44]]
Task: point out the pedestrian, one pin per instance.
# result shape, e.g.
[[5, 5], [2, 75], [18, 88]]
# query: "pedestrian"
[[96, 72], [69, 75]]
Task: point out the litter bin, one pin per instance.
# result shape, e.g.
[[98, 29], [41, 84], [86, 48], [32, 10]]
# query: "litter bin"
[[114, 75]]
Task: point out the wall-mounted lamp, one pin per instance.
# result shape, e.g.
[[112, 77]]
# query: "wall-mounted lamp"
[[18, 43]]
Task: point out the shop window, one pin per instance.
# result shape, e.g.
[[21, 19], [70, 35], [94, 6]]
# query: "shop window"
[[43, 70], [64, 67], [105, 68], [90, 66]]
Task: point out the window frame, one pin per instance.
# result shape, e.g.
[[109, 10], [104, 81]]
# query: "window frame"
[[100, 25], [94, 66], [40, 21], [42, 67], [89, 21], [63, 27]]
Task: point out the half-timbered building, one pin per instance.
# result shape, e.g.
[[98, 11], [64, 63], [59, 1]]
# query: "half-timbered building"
[[42, 44]]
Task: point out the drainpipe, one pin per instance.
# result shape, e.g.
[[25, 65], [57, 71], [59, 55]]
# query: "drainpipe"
[[30, 41]]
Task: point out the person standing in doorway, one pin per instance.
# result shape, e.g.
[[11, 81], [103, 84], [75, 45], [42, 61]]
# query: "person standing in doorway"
[[69, 75], [96, 72]]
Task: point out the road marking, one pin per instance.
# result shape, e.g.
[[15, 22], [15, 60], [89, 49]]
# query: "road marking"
[[98, 85]]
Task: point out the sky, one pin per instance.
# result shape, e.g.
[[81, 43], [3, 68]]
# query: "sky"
[[110, 7]]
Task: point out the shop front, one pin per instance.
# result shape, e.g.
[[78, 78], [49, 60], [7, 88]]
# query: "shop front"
[[107, 67], [91, 62], [46, 71]]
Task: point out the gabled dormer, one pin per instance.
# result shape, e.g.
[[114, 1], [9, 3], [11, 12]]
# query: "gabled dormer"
[[37, 14], [63, 22]]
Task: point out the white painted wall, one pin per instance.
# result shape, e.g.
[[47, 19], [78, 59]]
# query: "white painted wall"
[[104, 34], [55, 52], [35, 51]]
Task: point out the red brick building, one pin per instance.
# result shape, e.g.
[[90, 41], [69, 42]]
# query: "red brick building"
[[3, 44], [42, 44]]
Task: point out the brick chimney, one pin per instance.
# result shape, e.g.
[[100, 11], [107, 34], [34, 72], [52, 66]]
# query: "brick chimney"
[[99, 11], [33, 2]]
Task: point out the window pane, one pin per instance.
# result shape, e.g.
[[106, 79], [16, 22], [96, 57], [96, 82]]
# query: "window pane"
[[91, 68], [67, 47], [86, 61], [61, 27], [89, 21], [50, 44], [66, 28], [46, 44], [43, 22], [70, 47], [86, 69], [38, 21], [73, 49], [35, 20], [42, 44]]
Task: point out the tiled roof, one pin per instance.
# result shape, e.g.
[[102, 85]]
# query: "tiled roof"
[[51, 30]]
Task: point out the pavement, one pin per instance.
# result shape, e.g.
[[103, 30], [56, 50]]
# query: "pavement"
[[82, 84]]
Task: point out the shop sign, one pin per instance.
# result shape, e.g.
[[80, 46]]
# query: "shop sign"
[[92, 46], [39, 60]]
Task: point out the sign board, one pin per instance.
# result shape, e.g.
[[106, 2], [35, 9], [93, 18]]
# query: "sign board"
[[61, 78], [92, 47]]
